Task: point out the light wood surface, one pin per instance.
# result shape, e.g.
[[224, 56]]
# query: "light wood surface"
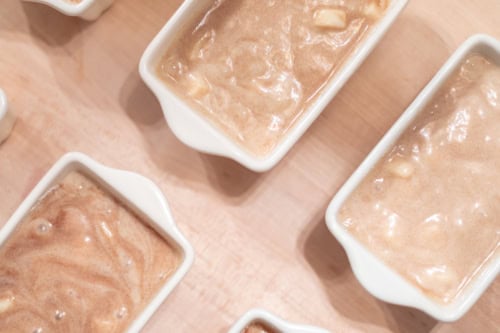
[[260, 240]]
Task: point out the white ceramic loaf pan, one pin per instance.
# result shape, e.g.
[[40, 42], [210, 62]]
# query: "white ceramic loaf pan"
[[273, 322], [6, 117], [136, 192], [86, 9], [195, 131], [375, 276]]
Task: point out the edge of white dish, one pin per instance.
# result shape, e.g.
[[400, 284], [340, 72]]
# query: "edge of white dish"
[[269, 319], [380, 280], [7, 118], [86, 9]]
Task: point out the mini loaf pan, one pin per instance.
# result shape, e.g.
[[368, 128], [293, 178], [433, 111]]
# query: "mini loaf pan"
[[137, 193], [7, 119], [380, 280], [195, 131], [86, 9], [266, 318]]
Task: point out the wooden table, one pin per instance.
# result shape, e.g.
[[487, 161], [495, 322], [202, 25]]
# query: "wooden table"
[[260, 239]]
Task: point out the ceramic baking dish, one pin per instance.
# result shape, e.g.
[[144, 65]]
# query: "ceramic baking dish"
[[86, 9], [195, 131], [6, 117], [377, 278], [273, 322], [136, 192]]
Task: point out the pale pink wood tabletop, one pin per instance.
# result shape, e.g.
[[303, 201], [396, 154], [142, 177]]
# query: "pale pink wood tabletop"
[[260, 239]]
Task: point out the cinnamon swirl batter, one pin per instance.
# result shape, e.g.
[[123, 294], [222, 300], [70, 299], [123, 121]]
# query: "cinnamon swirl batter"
[[80, 262]]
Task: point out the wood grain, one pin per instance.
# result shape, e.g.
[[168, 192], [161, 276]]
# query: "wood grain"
[[260, 240]]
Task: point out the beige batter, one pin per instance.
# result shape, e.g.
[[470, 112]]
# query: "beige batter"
[[258, 328], [430, 209], [80, 262], [253, 67]]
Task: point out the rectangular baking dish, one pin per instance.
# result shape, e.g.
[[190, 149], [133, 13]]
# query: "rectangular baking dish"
[[372, 273], [137, 193], [195, 131]]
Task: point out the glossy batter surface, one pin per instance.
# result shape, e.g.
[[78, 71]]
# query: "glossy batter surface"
[[258, 328], [430, 209], [80, 262], [253, 67]]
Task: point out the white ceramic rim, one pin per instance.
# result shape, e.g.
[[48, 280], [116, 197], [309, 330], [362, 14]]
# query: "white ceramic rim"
[[67, 8], [7, 119], [198, 133], [3, 107], [87, 9], [136, 192], [267, 318], [376, 277]]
